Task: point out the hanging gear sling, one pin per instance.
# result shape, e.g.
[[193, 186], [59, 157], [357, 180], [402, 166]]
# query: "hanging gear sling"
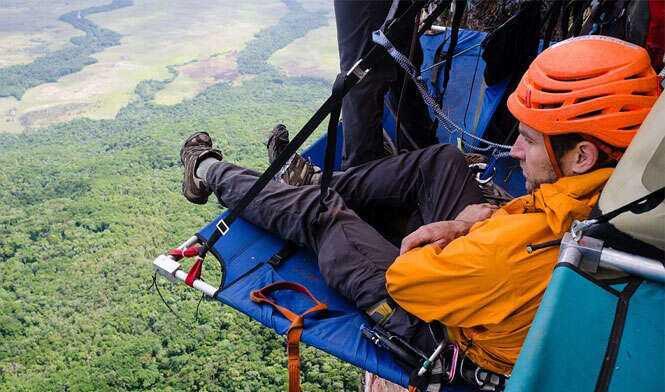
[[297, 324]]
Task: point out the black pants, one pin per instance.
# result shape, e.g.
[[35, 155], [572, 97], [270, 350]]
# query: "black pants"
[[353, 257], [362, 107]]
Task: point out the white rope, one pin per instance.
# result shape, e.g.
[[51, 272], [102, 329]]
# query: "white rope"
[[455, 130]]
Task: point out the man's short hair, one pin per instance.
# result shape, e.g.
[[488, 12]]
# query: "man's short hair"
[[561, 144]]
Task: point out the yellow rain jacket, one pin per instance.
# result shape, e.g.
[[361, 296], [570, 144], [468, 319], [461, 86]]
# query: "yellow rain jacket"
[[484, 286]]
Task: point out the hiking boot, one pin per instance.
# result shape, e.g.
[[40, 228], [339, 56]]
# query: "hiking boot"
[[196, 148], [279, 138], [473, 158], [297, 170]]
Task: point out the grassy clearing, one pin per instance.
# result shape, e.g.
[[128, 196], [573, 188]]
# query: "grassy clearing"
[[17, 79], [28, 28], [155, 35], [196, 76], [313, 55]]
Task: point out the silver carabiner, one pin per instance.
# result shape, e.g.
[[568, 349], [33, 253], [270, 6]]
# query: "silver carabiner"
[[480, 168], [578, 228]]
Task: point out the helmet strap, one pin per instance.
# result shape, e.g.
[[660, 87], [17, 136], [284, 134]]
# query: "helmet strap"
[[550, 154], [612, 153]]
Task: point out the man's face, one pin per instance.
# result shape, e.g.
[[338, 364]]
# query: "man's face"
[[530, 149]]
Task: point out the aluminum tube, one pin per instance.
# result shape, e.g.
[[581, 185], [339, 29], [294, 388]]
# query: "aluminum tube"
[[191, 241], [570, 254], [632, 264], [438, 29], [198, 284]]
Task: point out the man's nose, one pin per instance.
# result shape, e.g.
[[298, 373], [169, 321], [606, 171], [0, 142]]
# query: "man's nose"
[[516, 151]]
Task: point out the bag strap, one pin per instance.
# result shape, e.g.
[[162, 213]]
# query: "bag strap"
[[297, 324]]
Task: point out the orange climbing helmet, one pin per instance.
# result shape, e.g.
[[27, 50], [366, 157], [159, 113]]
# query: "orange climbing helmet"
[[599, 87]]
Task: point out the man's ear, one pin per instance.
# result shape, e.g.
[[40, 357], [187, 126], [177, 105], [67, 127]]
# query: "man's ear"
[[585, 157]]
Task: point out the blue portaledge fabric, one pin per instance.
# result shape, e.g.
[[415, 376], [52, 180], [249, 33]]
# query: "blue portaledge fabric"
[[464, 87], [337, 331]]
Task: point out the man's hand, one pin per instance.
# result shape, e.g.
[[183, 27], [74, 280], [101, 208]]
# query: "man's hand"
[[476, 212], [437, 233]]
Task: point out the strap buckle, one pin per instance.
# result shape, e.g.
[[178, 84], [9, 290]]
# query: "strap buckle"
[[222, 227], [357, 71], [276, 260], [483, 379], [488, 381], [381, 312]]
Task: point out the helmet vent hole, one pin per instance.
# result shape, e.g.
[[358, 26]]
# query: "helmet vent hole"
[[552, 105], [555, 91], [577, 78], [630, 128], [583, 99], [590, 114], [629, 108]]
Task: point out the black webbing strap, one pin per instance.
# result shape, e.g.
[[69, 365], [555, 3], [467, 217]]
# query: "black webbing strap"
[[610, 358], [438, 57], [641, 205], [434, 72], [331, 142], [460, 5], [224, 224], [402, 91], [375, 54], [280, 257]]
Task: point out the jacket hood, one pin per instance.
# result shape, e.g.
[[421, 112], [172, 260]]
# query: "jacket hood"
[[562, 202]]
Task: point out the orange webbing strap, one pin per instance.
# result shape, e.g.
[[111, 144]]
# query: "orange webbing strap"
[[552, 156], [297, 324]]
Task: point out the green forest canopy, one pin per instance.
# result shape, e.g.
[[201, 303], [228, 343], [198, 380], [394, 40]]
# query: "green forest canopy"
[[90, 203]]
